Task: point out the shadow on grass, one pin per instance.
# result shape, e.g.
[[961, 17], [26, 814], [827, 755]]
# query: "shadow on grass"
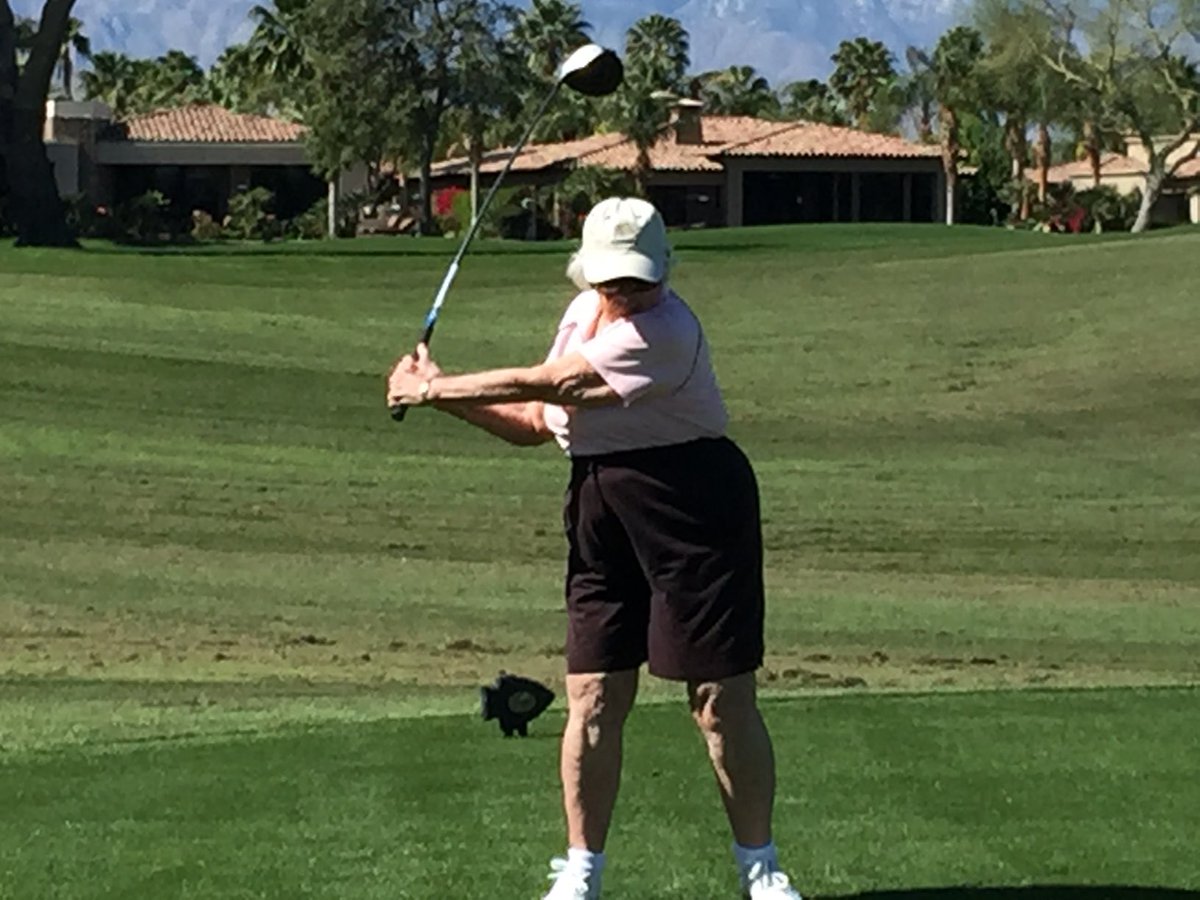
[[1032, 892]]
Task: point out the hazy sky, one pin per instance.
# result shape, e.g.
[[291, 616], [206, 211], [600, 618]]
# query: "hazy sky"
[[783, 39]]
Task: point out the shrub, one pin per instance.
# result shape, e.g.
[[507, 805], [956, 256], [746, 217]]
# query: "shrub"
[[584, 188], [515, 218], [205, 227], [250, 217], [309, 225], [141, 220], [314, 224], [979, 203], [1107, 209], [84, 218], [505, 205]]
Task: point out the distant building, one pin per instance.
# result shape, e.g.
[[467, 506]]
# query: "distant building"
[[197, 156], [739, 170], [1180, 200]]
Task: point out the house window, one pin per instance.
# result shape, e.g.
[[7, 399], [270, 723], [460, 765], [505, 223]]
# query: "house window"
[[689, 206]]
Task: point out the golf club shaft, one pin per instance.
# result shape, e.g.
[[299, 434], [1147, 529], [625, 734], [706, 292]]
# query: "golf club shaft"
[[439, 300]]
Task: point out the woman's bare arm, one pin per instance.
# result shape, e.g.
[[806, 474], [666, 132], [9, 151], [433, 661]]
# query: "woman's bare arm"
[[508, 403], [521, 424], [568, 381]]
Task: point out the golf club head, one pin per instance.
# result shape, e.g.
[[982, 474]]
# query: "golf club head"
[[592, 70]]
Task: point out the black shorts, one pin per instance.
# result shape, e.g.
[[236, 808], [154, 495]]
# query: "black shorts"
[[665, 563]]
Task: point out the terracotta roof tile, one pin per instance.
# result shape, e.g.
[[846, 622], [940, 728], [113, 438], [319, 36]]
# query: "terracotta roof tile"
[[722, 136], [810, 139], [717, 133], [204, 124], [1110, 164], [533, 158], [1190, 169]]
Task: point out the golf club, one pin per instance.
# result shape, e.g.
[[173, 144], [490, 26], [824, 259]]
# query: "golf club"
[[591, 70]]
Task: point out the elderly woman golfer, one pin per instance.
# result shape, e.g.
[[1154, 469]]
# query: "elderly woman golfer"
[[662, 515]]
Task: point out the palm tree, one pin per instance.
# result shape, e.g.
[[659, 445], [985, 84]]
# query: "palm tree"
[[1020, 38], [954, 70], [234, 83], [738, 91], [174, 79], [26, 32], [276, 48], [811, 101], [920, 93], [76, 43], [114, 79], [487, 89], [658, 46], [549, 30], [862, 70]]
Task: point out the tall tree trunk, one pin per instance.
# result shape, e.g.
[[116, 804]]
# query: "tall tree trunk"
[[951, 148], [1044, 151], [1091, 144], [476, 153], [36, 207], [8, 79], [925, 124], [425, 223], [1017, 144], [641, 170], [68, 74], [8, 91], [1155, 179]]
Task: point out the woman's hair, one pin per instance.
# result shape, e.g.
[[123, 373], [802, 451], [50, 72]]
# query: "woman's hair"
[[627, 286]]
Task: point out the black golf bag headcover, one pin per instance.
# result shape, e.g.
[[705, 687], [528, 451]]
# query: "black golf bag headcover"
[[515, 702]]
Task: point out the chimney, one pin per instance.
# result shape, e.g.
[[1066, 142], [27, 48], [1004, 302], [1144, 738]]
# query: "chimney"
[[687, 121]]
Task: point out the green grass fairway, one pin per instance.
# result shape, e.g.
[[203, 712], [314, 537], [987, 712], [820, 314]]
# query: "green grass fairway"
[[1092, 789], [243, 614]]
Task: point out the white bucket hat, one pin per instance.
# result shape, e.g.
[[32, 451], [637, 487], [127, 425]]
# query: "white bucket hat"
[[623, 237]]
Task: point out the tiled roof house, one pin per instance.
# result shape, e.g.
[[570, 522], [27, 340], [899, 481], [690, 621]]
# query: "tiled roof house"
[[1126, 172], [197, 156], [735, 170]]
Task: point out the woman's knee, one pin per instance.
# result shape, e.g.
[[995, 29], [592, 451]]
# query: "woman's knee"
[[718, 706], [601, 702]]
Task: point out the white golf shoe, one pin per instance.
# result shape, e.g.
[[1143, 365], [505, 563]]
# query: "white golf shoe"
[[764, 883], [570, 885]]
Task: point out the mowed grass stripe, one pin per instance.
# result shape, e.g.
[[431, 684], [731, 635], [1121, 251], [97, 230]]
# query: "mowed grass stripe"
[[925, 408], [1087, 788]]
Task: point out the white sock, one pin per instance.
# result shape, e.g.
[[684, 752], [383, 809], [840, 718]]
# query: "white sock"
[[585, 862], [748, 857]]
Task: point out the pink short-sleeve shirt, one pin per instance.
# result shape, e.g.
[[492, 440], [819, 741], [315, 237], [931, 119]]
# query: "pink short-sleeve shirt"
[[657, 361]]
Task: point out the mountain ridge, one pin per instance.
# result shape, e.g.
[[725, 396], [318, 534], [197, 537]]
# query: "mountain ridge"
[[784, 40]]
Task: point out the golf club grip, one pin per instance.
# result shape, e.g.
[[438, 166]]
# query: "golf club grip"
[[399, 412]]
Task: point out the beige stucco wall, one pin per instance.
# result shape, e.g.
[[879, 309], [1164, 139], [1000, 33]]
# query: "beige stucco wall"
[[1136, 150], [1125, 184], [1194, 207]]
